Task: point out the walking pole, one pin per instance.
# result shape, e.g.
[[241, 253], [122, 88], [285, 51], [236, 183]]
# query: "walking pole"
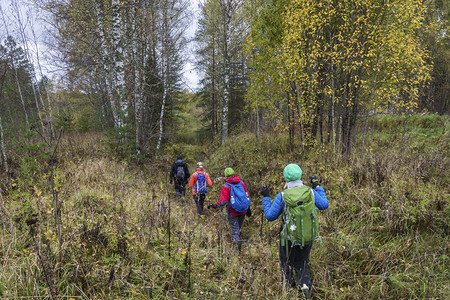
[[262, 220], [262, 212]]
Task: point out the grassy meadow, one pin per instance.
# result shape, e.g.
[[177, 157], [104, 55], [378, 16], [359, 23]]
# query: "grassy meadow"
[[123, 233]]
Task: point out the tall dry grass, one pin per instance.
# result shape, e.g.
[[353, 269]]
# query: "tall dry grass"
[[385, 235]]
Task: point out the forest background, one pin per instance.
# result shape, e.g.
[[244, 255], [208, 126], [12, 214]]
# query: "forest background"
[[354, 91]]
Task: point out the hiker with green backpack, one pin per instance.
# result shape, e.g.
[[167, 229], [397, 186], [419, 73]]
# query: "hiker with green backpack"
[[234, 194], [298, 205]]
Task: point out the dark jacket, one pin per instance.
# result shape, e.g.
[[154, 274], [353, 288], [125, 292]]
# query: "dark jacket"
[[173, 171]]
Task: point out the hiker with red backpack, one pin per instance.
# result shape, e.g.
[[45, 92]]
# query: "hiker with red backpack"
[[298, 205], [199, 182], [179, 174], [234, 194]]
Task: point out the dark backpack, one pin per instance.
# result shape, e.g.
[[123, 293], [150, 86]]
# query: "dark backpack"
[[180, 175], [200, 185], [239, 200]]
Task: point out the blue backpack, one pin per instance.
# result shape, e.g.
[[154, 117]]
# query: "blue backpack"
[[200, 186], [239, 200]]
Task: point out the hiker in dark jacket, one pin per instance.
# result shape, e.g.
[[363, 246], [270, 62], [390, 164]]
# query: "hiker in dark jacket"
[[179, 173], [235, 219], [295, 257]]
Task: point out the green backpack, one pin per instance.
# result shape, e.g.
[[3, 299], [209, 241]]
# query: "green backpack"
[[300, 218]]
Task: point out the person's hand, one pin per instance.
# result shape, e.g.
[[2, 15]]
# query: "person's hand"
[[212, 205], [249, 212], [314, 181], [264, 191]]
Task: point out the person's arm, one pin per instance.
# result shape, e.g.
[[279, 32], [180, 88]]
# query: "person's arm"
[[172, 173], [320, 198], [249, 210], [186, 172], [192, 180], [208, 179], [273, 210], [224, 196]]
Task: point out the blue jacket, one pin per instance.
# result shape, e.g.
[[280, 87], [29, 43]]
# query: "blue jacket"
[[273, 210]]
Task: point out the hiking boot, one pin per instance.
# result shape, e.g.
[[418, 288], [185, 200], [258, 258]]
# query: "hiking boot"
[[238, 245], [305, 291]]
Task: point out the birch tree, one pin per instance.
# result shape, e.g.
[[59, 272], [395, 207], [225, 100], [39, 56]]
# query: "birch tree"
[[129, 53], [220, 38], [13, 63], [344, 57]]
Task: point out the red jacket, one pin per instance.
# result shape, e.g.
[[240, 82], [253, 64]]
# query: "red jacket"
[[225, 194]]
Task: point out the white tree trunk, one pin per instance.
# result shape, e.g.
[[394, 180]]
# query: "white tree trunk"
[[117, 30], [161, 118], [300, 118], [105, 67], [118, 55], [165, 67], [48, 113], [225, 118], [15, 72], [36, 91], [2, 140]]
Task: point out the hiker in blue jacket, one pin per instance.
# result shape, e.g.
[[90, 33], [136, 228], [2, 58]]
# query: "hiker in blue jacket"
[[295, 257]]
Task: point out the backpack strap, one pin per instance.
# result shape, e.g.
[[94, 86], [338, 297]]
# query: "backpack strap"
[[314, 220], [301, 223], [196, 181], [284, 237], [229, 184]]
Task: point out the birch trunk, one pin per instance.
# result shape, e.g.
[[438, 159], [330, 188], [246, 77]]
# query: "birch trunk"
[[300, 116], [48, 113], [366, 122], [35, 86], [213, 90], [165, 71], [161, 118], [333, 110], [104, 64], [257, 119], [2, 140], [404, 132], [226, 96], [15, 72], [118, 55]]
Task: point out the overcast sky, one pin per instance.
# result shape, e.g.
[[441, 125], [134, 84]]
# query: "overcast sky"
[[189, 72], [31, 18]]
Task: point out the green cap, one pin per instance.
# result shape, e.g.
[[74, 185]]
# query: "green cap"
[[229, 172], [292, 172]]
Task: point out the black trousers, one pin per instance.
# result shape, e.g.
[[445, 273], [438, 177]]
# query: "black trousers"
[[180, 187], [296, 261], [199, 200]]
